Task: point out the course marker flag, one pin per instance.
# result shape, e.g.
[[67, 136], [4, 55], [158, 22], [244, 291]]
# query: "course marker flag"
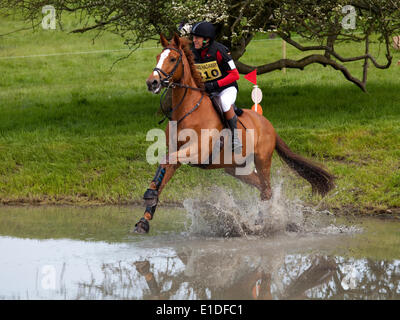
[[252, 76], [256, 94]]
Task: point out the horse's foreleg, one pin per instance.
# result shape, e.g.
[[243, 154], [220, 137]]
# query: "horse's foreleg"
[[163, 175]]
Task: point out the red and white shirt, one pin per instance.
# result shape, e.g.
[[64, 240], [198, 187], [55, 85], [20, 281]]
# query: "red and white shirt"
[[216, 64]]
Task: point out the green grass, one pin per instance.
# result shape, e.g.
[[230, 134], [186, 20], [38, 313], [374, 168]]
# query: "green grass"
[[73, 131]]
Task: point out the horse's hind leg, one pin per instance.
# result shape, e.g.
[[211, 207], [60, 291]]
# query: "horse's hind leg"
[[263, 166], [251, 179], [163, 174]]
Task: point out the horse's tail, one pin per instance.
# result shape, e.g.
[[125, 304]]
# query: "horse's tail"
[[320, 180]]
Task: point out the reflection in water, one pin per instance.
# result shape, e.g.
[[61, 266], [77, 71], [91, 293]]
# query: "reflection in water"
[[280, 268], [198, 274]]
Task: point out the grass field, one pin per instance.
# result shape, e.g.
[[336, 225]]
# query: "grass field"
[[73, 131]]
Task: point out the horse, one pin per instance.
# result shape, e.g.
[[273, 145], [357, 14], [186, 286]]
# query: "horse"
[[192, 109]]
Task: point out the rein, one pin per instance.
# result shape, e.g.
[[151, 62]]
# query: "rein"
[[167, 84]]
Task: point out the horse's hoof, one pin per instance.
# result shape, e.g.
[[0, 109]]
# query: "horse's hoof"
[[142, 226]]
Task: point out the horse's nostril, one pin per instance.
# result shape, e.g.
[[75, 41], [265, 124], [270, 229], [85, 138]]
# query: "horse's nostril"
[[151, 84]]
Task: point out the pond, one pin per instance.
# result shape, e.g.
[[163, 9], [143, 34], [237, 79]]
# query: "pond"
[[89, 253]]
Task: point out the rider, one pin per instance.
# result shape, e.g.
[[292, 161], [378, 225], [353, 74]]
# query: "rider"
[[218, 71]]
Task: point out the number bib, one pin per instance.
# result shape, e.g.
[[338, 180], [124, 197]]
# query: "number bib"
[[209, 70]]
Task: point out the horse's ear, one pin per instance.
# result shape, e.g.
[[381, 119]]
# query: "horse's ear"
[[177, 40], [163, 40]]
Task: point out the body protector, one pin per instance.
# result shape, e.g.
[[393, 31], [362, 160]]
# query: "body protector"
[[216, 66]]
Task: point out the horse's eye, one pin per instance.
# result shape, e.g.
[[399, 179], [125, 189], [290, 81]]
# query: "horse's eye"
[[173, 60]]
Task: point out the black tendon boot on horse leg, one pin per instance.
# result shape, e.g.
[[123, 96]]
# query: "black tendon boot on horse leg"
[[151, 199]]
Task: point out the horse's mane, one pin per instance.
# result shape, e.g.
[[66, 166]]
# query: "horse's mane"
[[186, 43]]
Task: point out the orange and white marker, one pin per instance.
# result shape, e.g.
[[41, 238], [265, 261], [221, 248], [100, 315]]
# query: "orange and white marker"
[[256, 94]]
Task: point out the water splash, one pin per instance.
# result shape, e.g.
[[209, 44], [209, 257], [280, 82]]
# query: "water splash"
[[222, 215]]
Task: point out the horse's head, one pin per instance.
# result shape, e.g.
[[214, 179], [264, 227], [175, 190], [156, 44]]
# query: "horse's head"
[[169, 66]]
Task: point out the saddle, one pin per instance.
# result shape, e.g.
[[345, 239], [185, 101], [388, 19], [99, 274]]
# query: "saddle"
[[216, 102]]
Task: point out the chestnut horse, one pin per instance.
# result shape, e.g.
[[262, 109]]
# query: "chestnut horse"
[[193, 109]]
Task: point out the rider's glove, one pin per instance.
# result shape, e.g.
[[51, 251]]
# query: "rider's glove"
[[211, 86]]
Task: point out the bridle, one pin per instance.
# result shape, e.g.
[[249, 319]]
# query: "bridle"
[[165, 82]]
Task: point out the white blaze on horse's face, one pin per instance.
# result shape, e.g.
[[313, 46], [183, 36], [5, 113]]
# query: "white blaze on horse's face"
[[159, 65]]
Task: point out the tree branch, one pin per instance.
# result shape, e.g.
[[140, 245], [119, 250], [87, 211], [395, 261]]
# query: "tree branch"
[[336, 55], [300, 64], [98, 25]]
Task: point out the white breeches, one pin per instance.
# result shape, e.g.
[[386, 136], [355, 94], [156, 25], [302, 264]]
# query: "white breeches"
[[228, 98]]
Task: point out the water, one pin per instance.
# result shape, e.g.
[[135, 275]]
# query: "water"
[[223, 215], [220, 248]]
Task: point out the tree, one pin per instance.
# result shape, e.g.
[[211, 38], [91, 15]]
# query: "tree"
[[322, 21]]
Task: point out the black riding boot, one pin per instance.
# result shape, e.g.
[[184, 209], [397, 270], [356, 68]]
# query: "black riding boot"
[[236, 144]]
